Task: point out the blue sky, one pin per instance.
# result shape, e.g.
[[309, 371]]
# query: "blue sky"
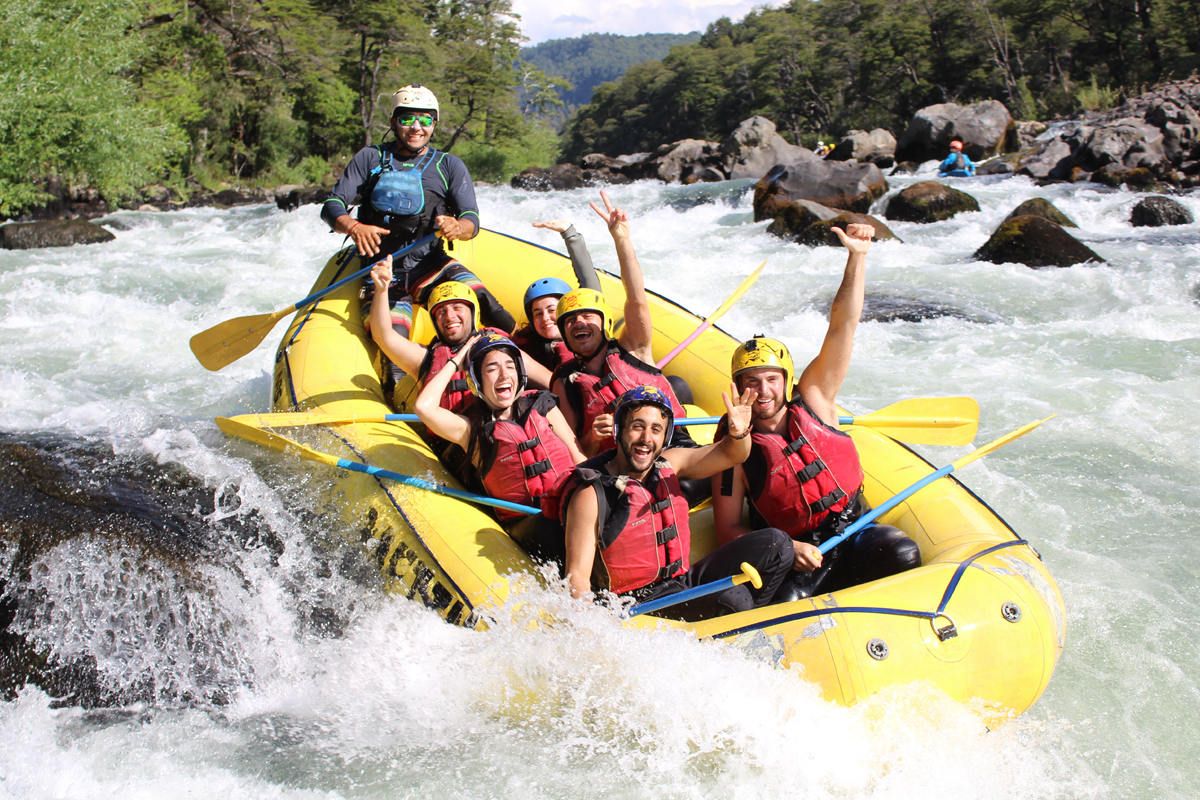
[[560, 19]]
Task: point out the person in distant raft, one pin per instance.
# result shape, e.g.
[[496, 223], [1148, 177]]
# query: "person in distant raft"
[[627, 520], [603, 367], [515, 438], [405, 191], [958, 164], [541, 337], [803, 475]]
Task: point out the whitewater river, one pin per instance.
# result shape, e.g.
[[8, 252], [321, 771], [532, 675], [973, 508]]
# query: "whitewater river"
[[215, 636]]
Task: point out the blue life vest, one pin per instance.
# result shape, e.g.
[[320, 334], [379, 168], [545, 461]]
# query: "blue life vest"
[[399, 191]]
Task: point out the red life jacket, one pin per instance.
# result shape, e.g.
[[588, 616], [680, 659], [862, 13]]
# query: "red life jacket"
[[593, 395], [523, 460], [550, 353], [457, 395], [797, 482], [644, 534]]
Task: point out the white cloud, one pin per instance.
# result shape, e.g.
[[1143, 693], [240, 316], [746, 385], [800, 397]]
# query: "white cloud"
[[561, 19]]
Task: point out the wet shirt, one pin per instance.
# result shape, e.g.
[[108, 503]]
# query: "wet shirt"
[[447, 185]]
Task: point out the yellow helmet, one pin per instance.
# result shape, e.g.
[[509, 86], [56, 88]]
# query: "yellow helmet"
[[585, 300], [762, 352], [453, 290]]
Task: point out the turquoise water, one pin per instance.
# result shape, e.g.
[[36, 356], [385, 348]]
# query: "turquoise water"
[[254, 695]]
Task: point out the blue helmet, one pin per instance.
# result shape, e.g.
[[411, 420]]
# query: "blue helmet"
[[642, 396], [488, 341], [544, 287]]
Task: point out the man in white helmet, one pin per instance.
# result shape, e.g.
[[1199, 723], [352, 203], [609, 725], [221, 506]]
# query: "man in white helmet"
[[406, 190]]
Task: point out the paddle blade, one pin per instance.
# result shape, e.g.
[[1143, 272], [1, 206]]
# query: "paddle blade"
[[241, 430], [225, 343], [1003, 440], [950, 421]]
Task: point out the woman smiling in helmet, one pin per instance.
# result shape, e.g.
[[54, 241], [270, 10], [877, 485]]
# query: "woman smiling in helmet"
[[517, 441]]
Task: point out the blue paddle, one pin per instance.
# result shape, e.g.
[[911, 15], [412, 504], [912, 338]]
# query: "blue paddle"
[[222, 344]]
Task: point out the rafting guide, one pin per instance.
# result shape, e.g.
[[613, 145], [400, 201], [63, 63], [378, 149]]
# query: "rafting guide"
[[406, 190]]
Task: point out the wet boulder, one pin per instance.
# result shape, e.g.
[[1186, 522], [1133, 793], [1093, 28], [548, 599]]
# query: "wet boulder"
[[983, 128], [671, 162], [601, 169], [291, 196], [52, 233], [1052, 160], [1027, 132], [755, 148], [1035, 242], [929, 201], [1128, 143], [877, 146], [809, 223], [1155, 212], [560, 177], [847, 186], [1041, 207]]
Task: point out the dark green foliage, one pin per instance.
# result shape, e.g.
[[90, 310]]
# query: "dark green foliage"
[[66, 106], [118, 94], [824, 67], [596, 58]]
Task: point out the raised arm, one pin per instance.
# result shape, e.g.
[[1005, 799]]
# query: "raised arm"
[[823, 377], [704, 462], [638, 333], [404, 353], [581, 259], [442, 421]]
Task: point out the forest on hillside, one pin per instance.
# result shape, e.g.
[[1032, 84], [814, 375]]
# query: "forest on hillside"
[[595, 58], [118, 94], [823, 67]]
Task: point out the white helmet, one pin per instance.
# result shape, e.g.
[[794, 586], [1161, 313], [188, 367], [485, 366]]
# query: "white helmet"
[[416, 97]]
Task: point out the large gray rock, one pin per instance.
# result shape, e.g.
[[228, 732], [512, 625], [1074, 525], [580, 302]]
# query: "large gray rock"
[[864, 146], [1129, 143], [1154, 212], [806, 222], [52, 233], [929, 201], [544, 179], [1052, 160], [983, 129], [754, 149], [847, 186], [688, 155], [1035, 242]]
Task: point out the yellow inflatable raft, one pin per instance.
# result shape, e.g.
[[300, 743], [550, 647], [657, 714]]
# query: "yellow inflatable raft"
[[982, 619]]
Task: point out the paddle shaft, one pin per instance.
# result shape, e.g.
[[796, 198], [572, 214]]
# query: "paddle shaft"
[[408, 480], [748, 574], [742, 288], [250, 433], [888, 505], [312, 298]]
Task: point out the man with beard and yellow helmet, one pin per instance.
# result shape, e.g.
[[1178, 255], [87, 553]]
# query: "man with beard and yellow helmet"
[[803, 475], [626, 517], [604, 367]]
